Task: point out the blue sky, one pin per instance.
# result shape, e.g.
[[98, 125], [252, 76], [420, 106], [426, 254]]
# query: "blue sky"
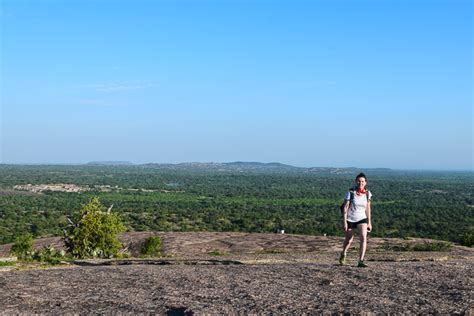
[[309, 83]]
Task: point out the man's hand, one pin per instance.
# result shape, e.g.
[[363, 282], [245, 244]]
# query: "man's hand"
[[346, 228], [369, 227]]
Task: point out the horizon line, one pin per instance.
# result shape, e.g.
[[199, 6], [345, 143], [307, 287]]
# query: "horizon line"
[[129, 163]]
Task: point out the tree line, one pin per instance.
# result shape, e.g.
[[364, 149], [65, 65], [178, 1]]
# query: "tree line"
[[434, 205]]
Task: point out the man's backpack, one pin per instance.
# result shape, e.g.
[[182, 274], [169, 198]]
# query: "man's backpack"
[[352, 192]]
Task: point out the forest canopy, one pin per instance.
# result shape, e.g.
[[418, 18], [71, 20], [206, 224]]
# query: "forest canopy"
[[38, 199]]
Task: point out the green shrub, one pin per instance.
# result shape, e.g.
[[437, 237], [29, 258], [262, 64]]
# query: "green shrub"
[[7, 263], [396, 247], [23, 247], [49, 255], [217, 252], [425, 246], [151, 247], [432, 246], [468, 237], [269, 251], [96, 233]]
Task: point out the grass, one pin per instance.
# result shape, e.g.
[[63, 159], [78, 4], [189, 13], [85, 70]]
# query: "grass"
[[217, 252], [433, 246], [269, 251], [423, 246]]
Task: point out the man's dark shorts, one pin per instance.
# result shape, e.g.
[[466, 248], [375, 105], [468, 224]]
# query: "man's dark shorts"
[[352, 225]]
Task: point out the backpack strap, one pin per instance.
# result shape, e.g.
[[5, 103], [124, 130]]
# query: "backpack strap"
[[351, 191]]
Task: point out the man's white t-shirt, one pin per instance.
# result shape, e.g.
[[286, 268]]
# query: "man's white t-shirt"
[[356, 211]]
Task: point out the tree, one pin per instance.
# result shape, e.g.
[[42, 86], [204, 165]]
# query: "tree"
[[96, 232]]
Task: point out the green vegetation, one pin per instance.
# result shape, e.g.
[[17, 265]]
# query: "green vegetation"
[[49, 255], [432, 246], [435, 205], [269, 251], [424, 246], [468, 237], [398, 247], [7, 263], [23, 247], [96, 232], [217, 253], [151, 247]]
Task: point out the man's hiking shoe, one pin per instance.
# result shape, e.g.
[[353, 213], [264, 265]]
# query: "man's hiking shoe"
[[362, 264], [342, 259]]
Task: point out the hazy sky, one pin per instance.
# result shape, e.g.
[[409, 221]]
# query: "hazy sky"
[[309, 83]]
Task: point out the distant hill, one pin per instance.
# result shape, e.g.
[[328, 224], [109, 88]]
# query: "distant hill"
[[228, 166], [109, 163], [244, 167], [257, 167]]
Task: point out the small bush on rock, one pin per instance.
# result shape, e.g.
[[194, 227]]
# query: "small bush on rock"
[[217, 252], [23, 247], [7, 263], [432, 246], [468, 237], [424, 246], [96, 233], [151, 247], [49, 255]]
